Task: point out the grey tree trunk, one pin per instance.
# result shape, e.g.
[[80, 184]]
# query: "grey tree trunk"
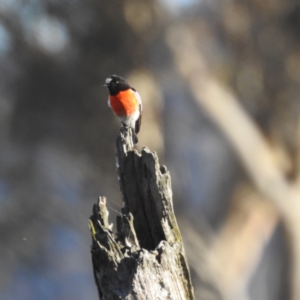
[[145, 259]]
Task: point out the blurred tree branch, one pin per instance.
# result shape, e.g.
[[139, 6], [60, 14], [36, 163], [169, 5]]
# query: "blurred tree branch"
[[255, 153]]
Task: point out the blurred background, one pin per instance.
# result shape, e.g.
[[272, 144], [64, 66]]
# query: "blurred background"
[[58, 135]]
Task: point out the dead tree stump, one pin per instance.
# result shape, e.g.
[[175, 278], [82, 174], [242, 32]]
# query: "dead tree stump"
[[145, 259]]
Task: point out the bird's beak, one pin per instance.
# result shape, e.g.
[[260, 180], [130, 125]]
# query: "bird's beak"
[[105, 84]]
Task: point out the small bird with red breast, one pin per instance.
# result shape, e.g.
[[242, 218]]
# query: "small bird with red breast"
[[125, 102]]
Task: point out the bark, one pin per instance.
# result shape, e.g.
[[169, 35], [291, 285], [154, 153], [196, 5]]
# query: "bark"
[[145, 259]]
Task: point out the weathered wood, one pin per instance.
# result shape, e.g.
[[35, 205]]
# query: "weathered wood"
[[145, 259]]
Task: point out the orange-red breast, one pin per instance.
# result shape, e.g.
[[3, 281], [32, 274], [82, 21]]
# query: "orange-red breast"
[[125, 102]]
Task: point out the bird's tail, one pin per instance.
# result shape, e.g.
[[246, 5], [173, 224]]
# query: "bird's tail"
[[135, 139], [136, 129], [138, 124]]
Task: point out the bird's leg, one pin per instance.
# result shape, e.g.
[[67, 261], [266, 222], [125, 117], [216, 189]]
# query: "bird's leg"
[[134, 136]]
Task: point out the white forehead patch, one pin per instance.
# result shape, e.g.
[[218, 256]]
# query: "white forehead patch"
[[108, 80]]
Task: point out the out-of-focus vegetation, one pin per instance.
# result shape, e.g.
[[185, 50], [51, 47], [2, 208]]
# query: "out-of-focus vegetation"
[[57, 136]]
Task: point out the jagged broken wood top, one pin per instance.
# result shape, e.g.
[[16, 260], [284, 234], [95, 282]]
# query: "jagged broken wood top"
[[145, 259]]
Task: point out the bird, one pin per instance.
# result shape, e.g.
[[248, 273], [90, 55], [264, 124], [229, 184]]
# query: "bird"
[[125, 103]]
